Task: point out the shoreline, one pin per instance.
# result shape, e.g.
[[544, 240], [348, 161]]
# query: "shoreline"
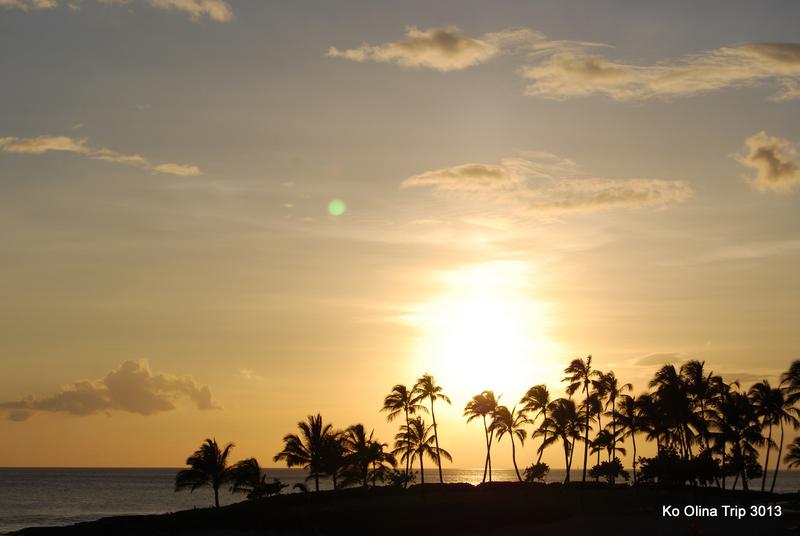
[[497, 508]]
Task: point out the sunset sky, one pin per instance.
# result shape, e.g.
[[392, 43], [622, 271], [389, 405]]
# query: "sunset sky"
[[514, 184]]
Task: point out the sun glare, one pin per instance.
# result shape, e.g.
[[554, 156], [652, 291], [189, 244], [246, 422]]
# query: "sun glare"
[[485, 331]]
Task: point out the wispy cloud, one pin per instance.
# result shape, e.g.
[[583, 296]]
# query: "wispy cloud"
[[131, 388], [566, 74], [43, 144], [775, 161], [215, 10], [447, 48], [542, 184], [28, 5], [560, 69]]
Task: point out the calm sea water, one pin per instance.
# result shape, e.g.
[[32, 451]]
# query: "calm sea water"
[[42, 497]]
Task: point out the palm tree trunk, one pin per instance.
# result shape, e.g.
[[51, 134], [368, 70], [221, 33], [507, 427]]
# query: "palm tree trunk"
[[567, 458], [633, 439], [408, 458], [436, 439], [491, 437], [421, 469], [514, 457], [544, 439], [777, 462], [586, 436], [316, 481], [216, 495], [486, 461], [766, 460]]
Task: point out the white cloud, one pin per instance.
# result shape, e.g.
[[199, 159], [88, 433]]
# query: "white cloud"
[[574, 73], [131, 388], [543, 184], [43, 144], [775, 161]]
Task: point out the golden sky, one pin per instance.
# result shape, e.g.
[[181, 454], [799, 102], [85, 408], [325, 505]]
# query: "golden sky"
[[512, 188]]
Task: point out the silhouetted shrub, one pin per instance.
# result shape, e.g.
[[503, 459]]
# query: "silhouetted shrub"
[[537, 472]]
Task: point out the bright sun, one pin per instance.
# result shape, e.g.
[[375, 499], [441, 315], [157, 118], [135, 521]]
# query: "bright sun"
[[485, 332]]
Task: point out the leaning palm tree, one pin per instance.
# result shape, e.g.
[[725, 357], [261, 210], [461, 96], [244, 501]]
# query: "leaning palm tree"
[[208, 466], [306, 449], [792, 458], [510, 422], [565, 424], [579, 374], [417, 441], [536, 400], [401, 401], [427, 389], [483, 405]]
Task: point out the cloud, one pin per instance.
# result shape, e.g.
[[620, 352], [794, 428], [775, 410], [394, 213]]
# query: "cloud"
[[131, 388], [775, 161], [43, 144], [662, 358], [444, 48], [215, 10], [560, 69], [573, 73], [28, 5], [543, 184]]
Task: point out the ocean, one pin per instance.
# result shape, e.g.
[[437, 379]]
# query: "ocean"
[[49, 497]]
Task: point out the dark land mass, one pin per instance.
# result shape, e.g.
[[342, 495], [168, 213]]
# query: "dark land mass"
[[500, 508]]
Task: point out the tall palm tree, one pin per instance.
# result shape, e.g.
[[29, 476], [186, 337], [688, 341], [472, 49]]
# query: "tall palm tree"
[[401, 401], [208, 466], [418, 442], [579, 374], [483, 405], [790, 380], [766, 401], [307, 449], [427, 389], [702, 389], [740, 426], [536, 400], [629, 421], [612, 389], [564, 423], [512, 423]]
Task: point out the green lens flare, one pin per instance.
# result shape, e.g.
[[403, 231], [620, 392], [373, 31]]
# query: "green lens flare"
[[337, 207]]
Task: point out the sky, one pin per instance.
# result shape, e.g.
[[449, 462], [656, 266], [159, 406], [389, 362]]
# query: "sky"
[[220, 216]]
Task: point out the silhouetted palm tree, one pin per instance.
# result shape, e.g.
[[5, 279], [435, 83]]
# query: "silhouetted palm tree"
[[510, 422], [536, 400], [483, 405], [248, 477], [563, 422], [401, 401], [739, 425], [790, 381], [629, 422], [363, 454], [417, 441], [773, 407], [332, 457], [580, 377], [307, 449], [428, 390], [208, 466], [792, 458]]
